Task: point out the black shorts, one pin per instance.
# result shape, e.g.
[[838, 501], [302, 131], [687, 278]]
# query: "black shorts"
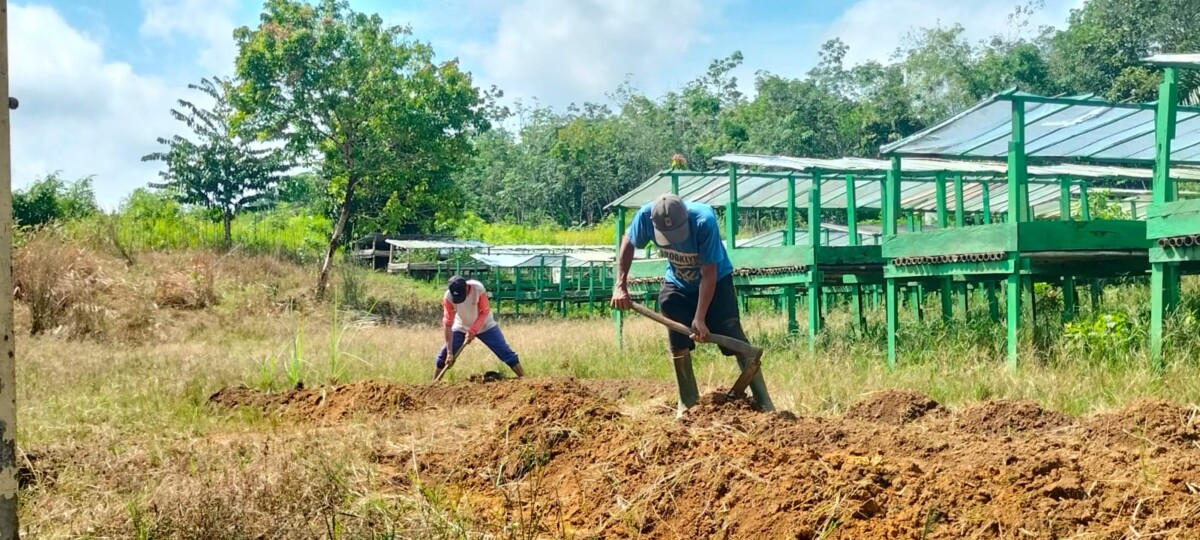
[[722, 317]]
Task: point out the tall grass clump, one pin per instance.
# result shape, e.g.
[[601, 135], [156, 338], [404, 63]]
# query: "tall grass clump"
[[60, 281]]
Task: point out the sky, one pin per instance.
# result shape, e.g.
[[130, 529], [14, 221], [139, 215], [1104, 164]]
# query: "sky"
[[97, 79]]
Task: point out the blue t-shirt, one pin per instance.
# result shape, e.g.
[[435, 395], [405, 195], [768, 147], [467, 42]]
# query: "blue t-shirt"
[[702, 247]]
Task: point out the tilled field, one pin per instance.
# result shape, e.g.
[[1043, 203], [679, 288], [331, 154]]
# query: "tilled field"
[[567, 458]]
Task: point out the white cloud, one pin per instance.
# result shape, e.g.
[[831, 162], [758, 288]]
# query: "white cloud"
[[210, 21], [564, 51], [80, 112], [873, 29]]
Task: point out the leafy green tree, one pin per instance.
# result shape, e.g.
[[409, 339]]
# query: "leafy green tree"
[[364, 102], [216, 169], [50, 199]]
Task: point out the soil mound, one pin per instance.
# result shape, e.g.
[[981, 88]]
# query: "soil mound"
[[1003, 417], [1148, 420], [323, 403], [894, 407]]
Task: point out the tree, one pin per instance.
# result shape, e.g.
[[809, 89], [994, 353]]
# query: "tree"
[[363, 101], [219, 170], [50, 199]]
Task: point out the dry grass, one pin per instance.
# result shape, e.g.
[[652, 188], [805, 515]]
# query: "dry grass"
[[124, 445]]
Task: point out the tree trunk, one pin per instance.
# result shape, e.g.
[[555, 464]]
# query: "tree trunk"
[[226, 218], [343, 217]]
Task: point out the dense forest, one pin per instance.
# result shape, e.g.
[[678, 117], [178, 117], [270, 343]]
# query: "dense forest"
[[418, 147]]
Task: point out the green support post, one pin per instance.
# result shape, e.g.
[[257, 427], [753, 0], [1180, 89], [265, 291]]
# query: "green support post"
[[591, 287], [959, 208], [1068, 282], [1012, 292], [674, 183], [1164, 283], [891, 203], [964, 300], [856, 305], [731, 211], [789, 234], [893, 311], [541, 285], [944, 222], [618, 316], [852, 211], [562, 287], [1069, 298], [1064, 198], [1085, 206], [1133, 210], [517, 290], [814, 275], [993, 302], [789, 238], [986, 191], [1018, 201]]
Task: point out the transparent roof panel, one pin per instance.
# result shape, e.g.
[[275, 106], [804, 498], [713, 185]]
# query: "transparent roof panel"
[[1074, 128]]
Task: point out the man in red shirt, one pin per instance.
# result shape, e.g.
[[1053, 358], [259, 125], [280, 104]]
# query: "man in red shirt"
[[466, 316]]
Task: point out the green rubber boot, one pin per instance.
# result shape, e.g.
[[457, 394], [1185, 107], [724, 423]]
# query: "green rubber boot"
[[685, 378], [758, 387]]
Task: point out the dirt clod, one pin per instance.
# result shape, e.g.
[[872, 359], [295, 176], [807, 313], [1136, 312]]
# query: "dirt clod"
[[895, 407], [1002, 417]]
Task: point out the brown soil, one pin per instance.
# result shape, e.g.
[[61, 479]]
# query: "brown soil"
[[1004, 417], [895, 407], [562, 461], [323, 404]]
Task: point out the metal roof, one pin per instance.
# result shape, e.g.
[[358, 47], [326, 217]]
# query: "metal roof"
[[771, 192], [1191, 61], [530, 260], [436, 244], [833, 235], [1078, 128], [931, 167]]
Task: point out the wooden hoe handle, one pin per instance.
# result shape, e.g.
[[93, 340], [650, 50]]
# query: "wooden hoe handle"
[[736, 345]]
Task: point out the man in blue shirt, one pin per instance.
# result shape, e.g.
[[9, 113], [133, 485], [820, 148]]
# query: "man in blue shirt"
[[698, 289]]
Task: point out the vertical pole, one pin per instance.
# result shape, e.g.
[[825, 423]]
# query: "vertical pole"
[[1163, 281], [1064, 198], [1085, 207], [993, 302], [986, 191], [856, 304], [1018, 202], [562, 287], [517, 290], [852, 211], [940, 191], [814, 273], [789, 238], [8, 373], [591, 287], [1069, 298], [789, 234], [674, 183], [1013, 293], [958, 201], [731, 211], [619, 234], [893, 312], [1158, 310]]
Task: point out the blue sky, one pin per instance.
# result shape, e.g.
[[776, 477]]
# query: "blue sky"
[[96, 78]]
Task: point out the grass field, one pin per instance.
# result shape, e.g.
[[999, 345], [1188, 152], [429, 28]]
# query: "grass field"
[[118, 439]]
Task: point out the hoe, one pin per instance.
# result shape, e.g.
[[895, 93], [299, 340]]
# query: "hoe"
[[751, 355]]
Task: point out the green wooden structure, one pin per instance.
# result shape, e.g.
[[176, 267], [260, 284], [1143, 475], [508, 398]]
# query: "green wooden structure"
[[1022, 128], [805, 270], [1173, 224]]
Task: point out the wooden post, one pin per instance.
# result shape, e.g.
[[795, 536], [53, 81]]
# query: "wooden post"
[[731, 211], [8, 373], [958, 201], [1164, 283], [852, 211], [618, 316], [789, 238], [890, 213], [814, 274]]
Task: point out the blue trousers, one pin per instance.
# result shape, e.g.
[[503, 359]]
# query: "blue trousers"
[[494, 340]]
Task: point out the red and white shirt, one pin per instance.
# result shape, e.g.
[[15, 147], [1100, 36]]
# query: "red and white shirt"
[[473, 315]]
